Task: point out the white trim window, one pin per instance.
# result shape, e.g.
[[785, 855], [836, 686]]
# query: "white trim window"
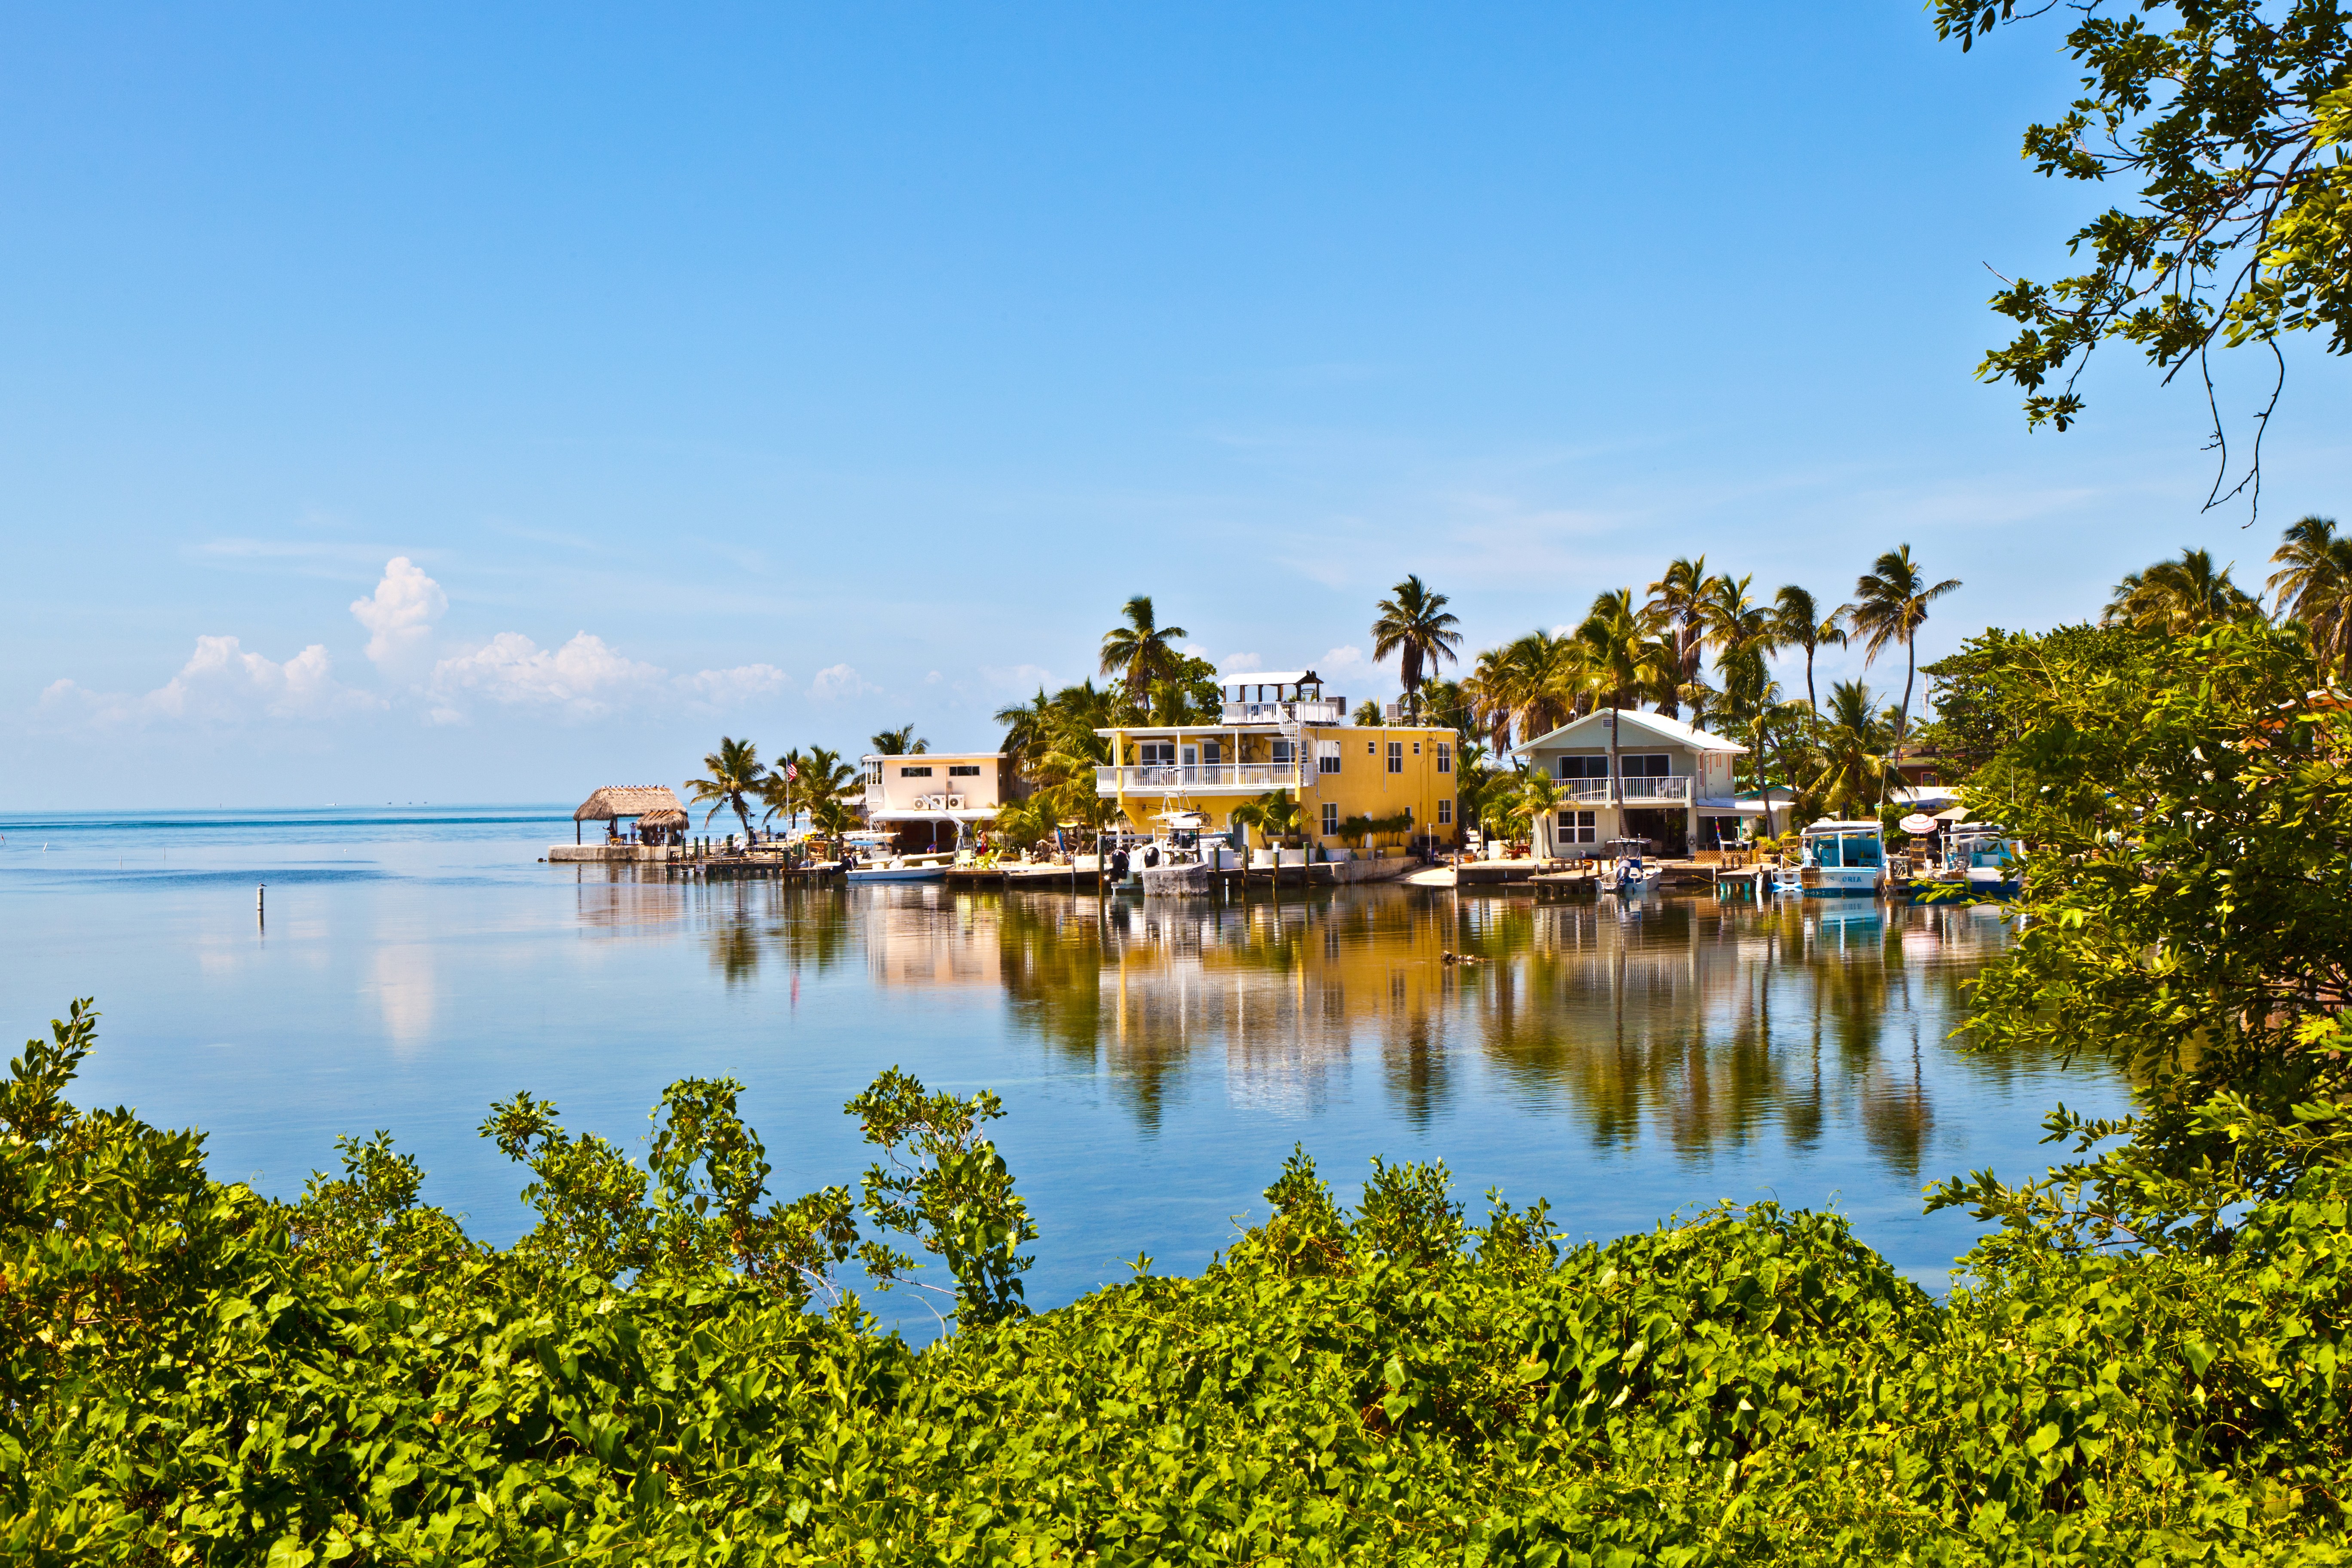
[[1396, 757], [1445, 811], [1330, 819], [1327, 756], [1646, 765], [1578, 766], [921, 772], [1444, 756], [1579, 827]]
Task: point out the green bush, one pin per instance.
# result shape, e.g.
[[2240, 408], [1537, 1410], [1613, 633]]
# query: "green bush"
[[669, 1369]]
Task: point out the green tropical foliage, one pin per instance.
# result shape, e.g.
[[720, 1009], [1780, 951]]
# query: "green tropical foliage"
[[674, 1370], [2226, 117], [1415, 624], [1274, 814], [901, 742], [2182, 597], [732, 777], [2314, 586], [1143, 651], [1890, 605]]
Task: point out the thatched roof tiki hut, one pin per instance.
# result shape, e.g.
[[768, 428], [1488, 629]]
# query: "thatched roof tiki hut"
[[652, 805]]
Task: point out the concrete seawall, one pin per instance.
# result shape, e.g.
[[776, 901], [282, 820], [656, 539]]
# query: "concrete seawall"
[[607, 853]]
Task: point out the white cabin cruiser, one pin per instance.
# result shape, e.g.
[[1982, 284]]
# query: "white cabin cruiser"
[[872, 858], [1834, 859]]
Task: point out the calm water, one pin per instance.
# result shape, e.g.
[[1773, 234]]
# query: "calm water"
[[1158, 1061]]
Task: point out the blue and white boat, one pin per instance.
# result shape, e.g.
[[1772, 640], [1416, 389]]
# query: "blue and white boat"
[[1834, 859]]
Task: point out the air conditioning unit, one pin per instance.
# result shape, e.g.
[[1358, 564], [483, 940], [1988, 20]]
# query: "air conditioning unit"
[[954, 802], [1394, 712]]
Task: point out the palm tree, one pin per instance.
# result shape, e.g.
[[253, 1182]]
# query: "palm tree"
[[1798, 623], [1538, 797], [734, 772], [1415, 624], [901, 742], [1625, 662], [1141, 651], [1855, 744], [1444, 702], [1677, 607], [1274, 814], [1367, 713], [1890, 605], [2314, 586], [2180, 597], [1026, 730], [825, 777], [1745, 635], [781, 786]]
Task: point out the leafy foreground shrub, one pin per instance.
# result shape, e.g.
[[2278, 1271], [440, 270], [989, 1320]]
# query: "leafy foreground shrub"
[[195, 1374]]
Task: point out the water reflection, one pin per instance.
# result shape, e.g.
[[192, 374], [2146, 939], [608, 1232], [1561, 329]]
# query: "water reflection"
[[1704, 1026]]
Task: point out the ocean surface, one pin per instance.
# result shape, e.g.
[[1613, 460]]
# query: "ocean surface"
[[1157, 1061]]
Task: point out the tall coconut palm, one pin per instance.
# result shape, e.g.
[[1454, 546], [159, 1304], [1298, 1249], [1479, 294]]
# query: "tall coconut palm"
[[1625, 662], [1444, 702], [1890, 605], [2181, 597], [2313, 585], [901, 742], [1854, 745], [1141, 651], [1798, 623], [1487, 691], [734, 777], [1677, 608], [827, 778], [1744, 635], [1415, 626]]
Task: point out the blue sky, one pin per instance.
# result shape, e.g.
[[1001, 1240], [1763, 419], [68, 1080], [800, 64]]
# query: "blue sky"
[[789, 371]]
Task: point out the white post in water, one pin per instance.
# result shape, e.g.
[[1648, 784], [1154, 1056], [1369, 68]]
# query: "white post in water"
[[259, 918]]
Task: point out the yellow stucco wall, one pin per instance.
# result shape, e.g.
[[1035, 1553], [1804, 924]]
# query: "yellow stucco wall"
[[1363, 786]]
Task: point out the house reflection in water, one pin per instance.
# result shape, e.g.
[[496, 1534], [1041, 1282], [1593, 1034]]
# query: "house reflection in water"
[[1698, 1026]]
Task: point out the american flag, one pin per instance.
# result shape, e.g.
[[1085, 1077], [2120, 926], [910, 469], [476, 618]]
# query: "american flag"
[[792, 771]]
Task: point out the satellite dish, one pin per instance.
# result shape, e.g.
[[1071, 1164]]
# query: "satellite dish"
[[1918, 823]]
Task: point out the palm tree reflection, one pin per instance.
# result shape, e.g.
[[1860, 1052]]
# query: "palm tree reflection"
[[1700, 1027]]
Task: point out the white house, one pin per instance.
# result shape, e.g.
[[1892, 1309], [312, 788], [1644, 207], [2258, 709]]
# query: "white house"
[[1674, 786]]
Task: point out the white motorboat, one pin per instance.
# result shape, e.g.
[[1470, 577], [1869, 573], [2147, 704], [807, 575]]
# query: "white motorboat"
[[903, 868], [1834, 859], [1631, 871]]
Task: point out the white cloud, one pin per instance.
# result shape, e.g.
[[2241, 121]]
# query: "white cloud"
[[1240, 664], [1346, 666], [933, 679], [399, 617], [728, 687], [838, 683], [584, 678], [220, 684], [1017, 677]]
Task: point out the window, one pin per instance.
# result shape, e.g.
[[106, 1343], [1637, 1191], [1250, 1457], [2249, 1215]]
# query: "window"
[[963, 769], [1327, 756], [1578, 827], [1284, 754], [1584, 767], [1211, 753], [1416, 748], [1330, 819], [1444, 757], [1445, 810], [1156, 755], [1396, 757], [921, 772], [1647, 766]]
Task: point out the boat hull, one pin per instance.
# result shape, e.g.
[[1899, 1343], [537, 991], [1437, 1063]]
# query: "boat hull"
[[899, 874]]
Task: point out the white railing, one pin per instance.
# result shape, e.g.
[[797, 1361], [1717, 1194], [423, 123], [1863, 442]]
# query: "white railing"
[[1314, 710], [1254, 776], [1675, 788]]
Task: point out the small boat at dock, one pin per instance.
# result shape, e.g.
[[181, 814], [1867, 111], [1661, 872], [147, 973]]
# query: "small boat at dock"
[[1833, 859]]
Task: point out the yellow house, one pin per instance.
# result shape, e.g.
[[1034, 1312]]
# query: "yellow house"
[[1276, 731]]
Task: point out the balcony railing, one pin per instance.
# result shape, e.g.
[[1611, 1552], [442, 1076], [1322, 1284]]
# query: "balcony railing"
[[1313, 710], [1676, 788], [1254, 777]]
